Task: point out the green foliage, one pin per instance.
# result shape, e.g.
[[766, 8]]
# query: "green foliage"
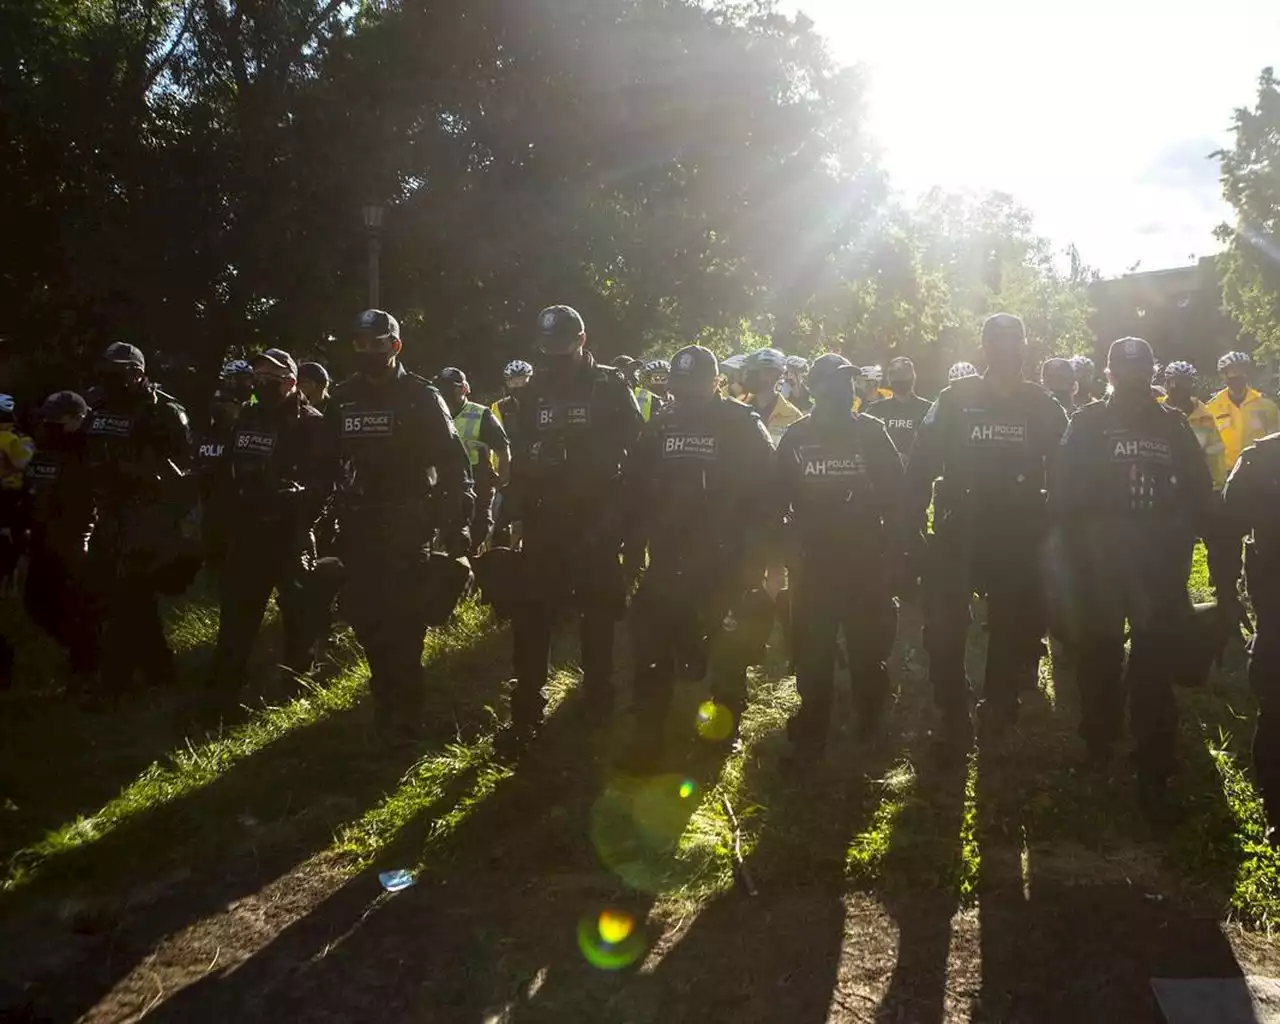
[[1251, 184]]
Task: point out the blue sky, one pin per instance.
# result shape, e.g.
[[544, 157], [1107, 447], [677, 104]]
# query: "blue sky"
[[1096, 115]]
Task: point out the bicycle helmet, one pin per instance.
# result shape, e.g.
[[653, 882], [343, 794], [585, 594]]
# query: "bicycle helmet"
[[1179, 369], [655, 374], [1234, 359], [517, 373], [797, 366], [236, 368], [1083, 365], [872, 373], [961, 370]]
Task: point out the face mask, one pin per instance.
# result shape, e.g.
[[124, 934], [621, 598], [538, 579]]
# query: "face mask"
[[372, 364], [269, 392], [900, 387], [1237, 386]]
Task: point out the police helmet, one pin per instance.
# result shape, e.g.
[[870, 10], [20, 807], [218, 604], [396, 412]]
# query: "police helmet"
[[1234, 359], [655, 374], [961, 370], [517, 373]]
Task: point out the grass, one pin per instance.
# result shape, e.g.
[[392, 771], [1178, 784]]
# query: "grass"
[[885, 821]]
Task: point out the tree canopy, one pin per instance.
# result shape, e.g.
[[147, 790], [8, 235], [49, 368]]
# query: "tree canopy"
[[188, 175], [1251, 183]]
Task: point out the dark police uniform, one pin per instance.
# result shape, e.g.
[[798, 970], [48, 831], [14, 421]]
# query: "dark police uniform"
[[404, 480], [571, 436], [902, 417], [139, 450], [209, 463], [1251, 499], [991, 452], [697, 493], [280, 470], [57, 594], [1129, 495], [840, 483]]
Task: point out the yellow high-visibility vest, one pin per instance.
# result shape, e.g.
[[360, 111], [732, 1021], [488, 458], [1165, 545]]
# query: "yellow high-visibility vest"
[[644, 399], [468, 422], [1241, 425]]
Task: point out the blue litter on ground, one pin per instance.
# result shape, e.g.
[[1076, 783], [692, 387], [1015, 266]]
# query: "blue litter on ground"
[[395, 881]]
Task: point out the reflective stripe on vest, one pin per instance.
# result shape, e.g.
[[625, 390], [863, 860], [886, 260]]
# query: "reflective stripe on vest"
[[496, 409], [468, 422]]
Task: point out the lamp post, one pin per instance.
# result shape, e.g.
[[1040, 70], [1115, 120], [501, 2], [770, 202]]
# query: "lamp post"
[[372, 213]]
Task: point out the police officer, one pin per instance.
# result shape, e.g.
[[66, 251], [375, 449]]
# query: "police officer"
[[1130, 493], [515, 378], [1059, 379], [280, 471], [57, 594], [697, 493], [989, 439], [733, 370], [487, 448], [139, 451], [575, 426], [1242, 413], [1251, 498], [404, 485], [903, 412], [313, 382], [840, 483], [1086, 379], [235, 389]]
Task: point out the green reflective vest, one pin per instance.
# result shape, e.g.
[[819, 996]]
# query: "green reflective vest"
[[468, 423], [644, 399]]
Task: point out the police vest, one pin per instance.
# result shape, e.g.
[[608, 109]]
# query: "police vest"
[[468, 422]]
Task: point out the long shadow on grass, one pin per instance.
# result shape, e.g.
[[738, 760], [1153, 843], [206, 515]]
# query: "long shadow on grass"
[[494, 912], [98, 910], [777, 955], [1081, 902]]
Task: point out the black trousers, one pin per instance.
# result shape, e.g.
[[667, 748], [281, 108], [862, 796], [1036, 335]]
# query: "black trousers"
[[863, 607], [1138, 578], [1002, 563], [248, 578], [1264, 678], [60, 600], [133, 638], [561, 575], [383, 590], [676, 628]]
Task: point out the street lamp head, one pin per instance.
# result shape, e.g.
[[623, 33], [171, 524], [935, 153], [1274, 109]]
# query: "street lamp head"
[[372, 213]]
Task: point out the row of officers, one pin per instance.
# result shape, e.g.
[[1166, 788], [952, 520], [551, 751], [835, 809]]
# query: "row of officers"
[[1083, 524]]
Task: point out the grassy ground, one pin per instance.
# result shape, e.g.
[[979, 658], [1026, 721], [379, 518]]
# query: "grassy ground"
[[152, 871]]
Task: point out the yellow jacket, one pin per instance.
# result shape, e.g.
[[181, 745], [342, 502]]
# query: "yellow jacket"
[[880, 393], [1241, 425], [1206, 431], [16, 451], [783, 415]]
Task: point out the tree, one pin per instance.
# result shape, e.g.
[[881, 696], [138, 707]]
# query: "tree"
[[1251, 184]]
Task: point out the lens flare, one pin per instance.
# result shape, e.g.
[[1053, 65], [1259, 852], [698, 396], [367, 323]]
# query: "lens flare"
[[715, 721], [687, 789], [610, 940], [636, 824]]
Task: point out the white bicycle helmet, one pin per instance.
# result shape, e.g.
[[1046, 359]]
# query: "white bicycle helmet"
[[655, 374], [1179, 369], [872, 373], [766, 359], [797, 366], [1234, 359], [961, 370], [236, 368], [517, 373], [1083, 365]]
